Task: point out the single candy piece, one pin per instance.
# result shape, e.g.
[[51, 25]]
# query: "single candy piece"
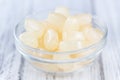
[[73, 36], [71, 24], [30, 39], [84, 19], [62, 10], [50, 26], [70, 45], [57, 20], [92, 35], [51, 40], [36, 26]]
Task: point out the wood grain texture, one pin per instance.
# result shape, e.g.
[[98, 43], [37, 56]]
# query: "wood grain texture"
[[14, 67]]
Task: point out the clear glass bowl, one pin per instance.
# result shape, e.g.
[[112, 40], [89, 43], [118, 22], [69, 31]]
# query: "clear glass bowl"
[[41, 59]]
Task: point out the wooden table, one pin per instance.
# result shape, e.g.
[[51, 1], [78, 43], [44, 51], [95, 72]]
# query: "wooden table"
[[14, 67]]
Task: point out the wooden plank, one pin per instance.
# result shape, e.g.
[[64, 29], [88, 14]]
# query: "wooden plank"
[[10, 62], [107, 11]]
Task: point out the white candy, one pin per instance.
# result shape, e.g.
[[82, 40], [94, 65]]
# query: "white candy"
[[61, 56], [36, 26], [84, 19], [57, 20], [70, 45], [47, 56], [62, 10], [30, 39], [73, 36], [92, 35], [51, 40], [46, 66], [41, 44], [68, 67], [71, 24]]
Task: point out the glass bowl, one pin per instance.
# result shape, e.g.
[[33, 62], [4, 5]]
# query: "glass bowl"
[[42, 60]]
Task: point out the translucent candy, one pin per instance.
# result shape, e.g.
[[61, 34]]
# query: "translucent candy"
[[71, 24], [86, 26], [84, 19], [61, 56], [41, 44], [50, 26], [46, 66], [57, 20], [76, 55], [70, 45], [36, 26], [73, 36], [92, 36], [51, 40], [66, 67], [82, 54], [46, 56], [30, 39], [62, 10]]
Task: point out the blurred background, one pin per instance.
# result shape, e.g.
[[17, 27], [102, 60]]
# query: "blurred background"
[[12, 11]]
